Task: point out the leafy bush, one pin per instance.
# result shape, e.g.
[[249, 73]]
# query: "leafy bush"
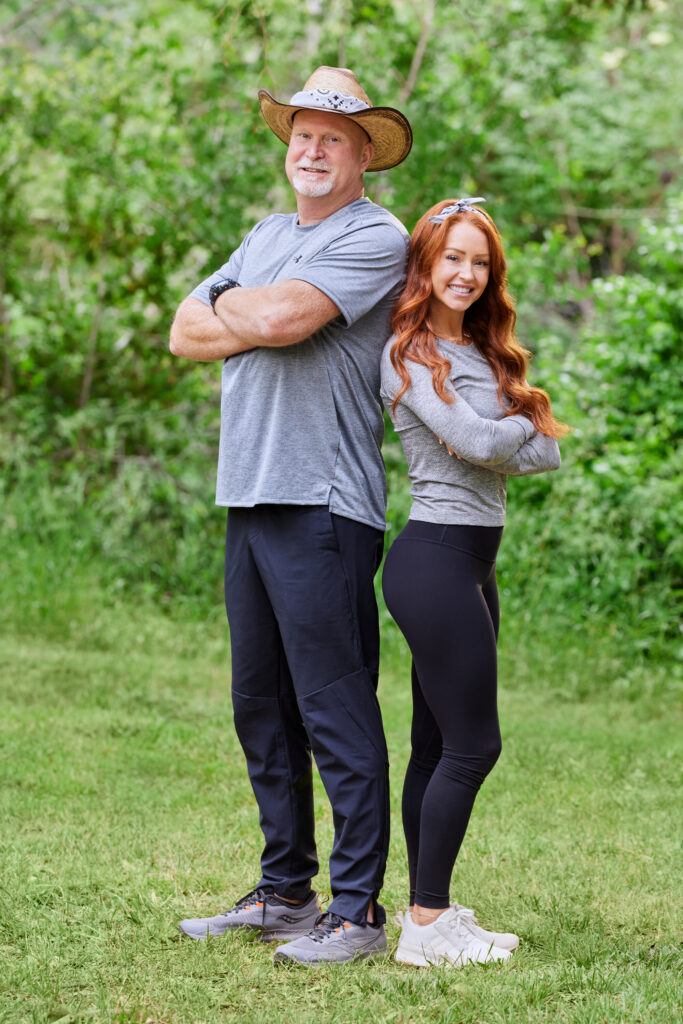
[[133, 159], [603, 534]]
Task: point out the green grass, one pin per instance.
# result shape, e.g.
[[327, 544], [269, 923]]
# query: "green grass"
[[125, 806]]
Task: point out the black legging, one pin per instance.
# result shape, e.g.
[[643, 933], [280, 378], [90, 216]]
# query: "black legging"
[[440, 586]]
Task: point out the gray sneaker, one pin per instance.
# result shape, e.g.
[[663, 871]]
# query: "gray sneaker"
[[259, 911], [334, 940]]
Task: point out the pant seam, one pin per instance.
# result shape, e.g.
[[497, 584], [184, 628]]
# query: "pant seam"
[[347, 589]]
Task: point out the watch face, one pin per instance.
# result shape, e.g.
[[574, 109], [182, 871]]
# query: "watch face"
[[219, 287]]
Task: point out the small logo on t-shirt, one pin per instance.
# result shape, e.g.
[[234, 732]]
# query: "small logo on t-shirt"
[[295, 259]]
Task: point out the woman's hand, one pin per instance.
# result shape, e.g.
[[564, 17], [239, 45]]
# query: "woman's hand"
[[448, 448]]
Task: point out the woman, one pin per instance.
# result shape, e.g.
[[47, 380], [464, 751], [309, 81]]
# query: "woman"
[[454, 383]]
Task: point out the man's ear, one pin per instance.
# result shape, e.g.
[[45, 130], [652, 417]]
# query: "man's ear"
[[367, 155]]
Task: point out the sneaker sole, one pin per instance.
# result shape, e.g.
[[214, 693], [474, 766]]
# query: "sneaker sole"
[[264, 934], [416, 958], [375, 954], [510, 946], [285, 936]]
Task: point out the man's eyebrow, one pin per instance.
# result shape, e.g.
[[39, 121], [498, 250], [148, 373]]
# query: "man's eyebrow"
[[311, 131]]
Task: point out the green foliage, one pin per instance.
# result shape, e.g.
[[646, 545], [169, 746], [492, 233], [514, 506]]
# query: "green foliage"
[[611, 518], [133, 159]]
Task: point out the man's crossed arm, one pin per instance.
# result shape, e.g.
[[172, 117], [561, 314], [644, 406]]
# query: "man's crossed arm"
[[272, 316]]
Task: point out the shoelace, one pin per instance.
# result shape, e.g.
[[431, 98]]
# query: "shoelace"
[[325, 925], [466, 916], [257, 896], [460, 924], [466, 912]]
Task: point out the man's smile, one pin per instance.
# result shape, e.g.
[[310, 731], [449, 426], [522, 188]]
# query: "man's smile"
[[314, 170]]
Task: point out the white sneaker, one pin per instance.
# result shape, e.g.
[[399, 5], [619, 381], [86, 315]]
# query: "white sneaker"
[[501, 940], [451, 939]]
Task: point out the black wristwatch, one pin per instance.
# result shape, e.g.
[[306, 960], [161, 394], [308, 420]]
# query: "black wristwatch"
[[218, 288]]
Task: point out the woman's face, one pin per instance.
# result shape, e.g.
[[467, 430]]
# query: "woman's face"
[[461, 270]]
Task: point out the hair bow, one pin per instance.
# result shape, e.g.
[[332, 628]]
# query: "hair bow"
[[462, 204]]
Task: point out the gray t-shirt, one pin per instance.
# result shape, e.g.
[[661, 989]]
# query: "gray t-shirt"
[[472, 489], [303, 424]]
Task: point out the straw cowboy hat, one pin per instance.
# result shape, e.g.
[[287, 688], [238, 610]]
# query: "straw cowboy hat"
[[338, 91]]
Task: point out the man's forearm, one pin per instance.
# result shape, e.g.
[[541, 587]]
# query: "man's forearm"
[[197, 333], [272, 316]]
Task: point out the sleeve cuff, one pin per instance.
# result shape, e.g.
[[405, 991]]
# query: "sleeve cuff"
[[526, 425]]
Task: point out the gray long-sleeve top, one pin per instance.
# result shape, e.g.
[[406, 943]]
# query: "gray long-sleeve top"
[[472, 489]]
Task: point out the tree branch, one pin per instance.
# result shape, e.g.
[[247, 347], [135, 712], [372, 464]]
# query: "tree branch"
[[21, 17], [409, 84], [418, 56]]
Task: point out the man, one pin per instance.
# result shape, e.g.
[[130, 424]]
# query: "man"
[[300, 314]]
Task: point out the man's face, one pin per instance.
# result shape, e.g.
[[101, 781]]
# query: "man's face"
[[327, 155]]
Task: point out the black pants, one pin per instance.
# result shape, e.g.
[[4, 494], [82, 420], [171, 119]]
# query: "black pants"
[[440, 586], [305, 651]]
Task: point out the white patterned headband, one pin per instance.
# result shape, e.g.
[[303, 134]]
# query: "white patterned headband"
[[460, 207], [328, 99]]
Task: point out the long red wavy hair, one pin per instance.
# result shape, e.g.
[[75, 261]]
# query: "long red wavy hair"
[[490, 322]]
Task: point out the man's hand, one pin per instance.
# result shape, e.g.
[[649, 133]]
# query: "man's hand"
[[273, 316]]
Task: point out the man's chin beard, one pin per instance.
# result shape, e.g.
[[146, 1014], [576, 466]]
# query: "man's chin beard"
[[312, 189]]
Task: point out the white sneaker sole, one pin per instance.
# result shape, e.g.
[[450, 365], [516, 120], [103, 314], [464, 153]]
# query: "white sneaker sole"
[[417, 958]]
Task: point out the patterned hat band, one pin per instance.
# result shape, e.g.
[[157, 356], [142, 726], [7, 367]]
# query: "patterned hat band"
[[460, 207], [328, 99]]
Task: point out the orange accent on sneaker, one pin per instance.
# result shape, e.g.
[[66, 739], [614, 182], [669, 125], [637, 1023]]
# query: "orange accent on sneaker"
[[346, 924], [259, 904], [337, 931]]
